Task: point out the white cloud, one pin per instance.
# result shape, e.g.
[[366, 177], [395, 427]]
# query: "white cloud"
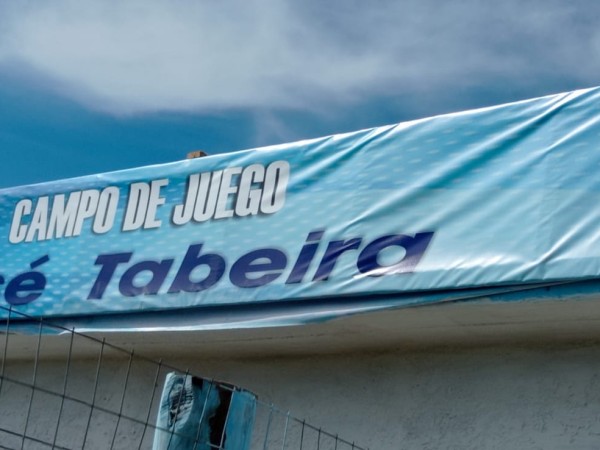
[[182, 55]]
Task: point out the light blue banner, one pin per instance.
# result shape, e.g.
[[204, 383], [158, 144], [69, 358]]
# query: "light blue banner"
[[484, 199]]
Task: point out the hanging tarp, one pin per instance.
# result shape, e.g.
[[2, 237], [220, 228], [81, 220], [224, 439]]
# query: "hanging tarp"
[[420, 212], [200, 414]]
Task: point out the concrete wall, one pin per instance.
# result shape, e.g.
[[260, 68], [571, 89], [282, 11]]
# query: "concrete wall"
[[494, 398], [499, 397]]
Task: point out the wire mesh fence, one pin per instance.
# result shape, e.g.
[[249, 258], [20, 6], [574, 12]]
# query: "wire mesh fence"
[[54, 395]]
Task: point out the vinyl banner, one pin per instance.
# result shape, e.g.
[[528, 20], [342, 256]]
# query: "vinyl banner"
[[494, 197]]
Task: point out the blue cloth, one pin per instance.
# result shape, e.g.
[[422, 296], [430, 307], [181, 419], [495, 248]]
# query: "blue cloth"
[[195, 412]]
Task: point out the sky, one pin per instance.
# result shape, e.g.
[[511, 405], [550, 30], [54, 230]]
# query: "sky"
[[95, 86]]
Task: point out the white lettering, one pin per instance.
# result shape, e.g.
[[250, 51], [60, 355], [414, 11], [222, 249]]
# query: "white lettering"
[[222, 210], [62, 218], [235, 191], [18, 232], [137, 204], [274, 189], [107, 210], [248, 199], [154, 201]]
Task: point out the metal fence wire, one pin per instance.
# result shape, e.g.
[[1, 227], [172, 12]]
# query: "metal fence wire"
[[53, 398]]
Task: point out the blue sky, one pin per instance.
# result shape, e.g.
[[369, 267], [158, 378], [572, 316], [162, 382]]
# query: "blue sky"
[[89, 87]]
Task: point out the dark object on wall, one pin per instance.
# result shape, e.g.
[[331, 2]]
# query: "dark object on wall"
[[199, 414], [52, 398]]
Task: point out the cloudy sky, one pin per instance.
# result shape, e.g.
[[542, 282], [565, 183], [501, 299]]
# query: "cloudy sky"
[[94, 86]]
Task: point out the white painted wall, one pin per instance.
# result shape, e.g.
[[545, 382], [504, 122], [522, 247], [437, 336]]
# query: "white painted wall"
[[498, 397], [494, 398], [485, 375]]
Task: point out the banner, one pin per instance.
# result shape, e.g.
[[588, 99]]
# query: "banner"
[[477, 200]]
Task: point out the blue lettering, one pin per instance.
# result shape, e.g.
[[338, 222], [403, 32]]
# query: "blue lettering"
[[158, 270], [199, 271], [28, 286], [109, 264], [192, 260], [305, 257], [268, 260], [415, 248], [335, 249]]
